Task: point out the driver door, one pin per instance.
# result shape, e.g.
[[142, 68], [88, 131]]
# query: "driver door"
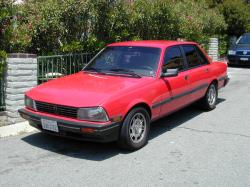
[[176, 88]]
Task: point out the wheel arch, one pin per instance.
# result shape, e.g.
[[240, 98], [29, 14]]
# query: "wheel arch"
[[140, 104], [215, 81]]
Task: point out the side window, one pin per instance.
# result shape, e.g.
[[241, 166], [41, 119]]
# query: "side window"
[[173, 59], [202, 57], [192, 56]]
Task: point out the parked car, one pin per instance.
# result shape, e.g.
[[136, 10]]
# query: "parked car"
[[123, 89], [239, 52]]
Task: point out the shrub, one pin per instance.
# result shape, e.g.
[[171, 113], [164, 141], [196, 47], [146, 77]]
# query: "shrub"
[[197, 22], [3, 56], [55, 26], [237, 16], [7, 10]]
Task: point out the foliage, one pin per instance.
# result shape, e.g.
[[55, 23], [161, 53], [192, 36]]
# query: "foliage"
[[58, 26], [2, 66], [6, 9], [223, 44], [3, 56], [197, 22], [152, 20], [41, 19], [237, 16]]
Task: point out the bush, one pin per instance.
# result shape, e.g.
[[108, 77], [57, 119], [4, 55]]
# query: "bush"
[[7, 10], [3, 56], [55, 26], [197, 22], [237, 16]]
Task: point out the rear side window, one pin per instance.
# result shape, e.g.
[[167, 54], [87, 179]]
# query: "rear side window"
[[173, 59], [193, 58], [203, 59]]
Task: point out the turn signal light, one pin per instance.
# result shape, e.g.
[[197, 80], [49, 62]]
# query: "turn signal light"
[[87, 130], [117, 119]]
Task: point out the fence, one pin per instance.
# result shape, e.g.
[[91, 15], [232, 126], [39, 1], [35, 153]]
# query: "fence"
[[2, 85], [51, 67]]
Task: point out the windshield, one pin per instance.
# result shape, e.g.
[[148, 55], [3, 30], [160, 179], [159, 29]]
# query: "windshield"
[[140, 61], [245, 39]]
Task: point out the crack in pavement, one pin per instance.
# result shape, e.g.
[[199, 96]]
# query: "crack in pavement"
[[213, 132]]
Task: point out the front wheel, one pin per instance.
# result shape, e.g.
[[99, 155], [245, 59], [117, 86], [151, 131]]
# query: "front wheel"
[[208, 102], [135, 129]]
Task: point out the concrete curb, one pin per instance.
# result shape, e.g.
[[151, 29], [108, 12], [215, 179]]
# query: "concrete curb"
[[16, 129]]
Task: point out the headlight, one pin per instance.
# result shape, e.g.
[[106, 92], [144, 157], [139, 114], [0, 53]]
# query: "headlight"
[[29, 103], [232, 52], [92, 114]]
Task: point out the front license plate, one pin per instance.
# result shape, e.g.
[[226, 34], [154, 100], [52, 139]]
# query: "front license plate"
[[244, 59], [49, 125]]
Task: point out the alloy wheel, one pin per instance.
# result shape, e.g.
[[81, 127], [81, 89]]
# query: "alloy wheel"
[[137, 127]]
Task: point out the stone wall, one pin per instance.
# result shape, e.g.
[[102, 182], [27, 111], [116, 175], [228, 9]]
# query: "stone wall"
[[3, 118], [21, 75]]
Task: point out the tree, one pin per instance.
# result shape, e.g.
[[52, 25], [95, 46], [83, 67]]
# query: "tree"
[[6, 20], [237, 16], [58, 26]]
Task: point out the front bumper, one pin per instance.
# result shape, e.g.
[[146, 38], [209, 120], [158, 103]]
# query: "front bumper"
[[238, 60], [227, 79], [71, 129]]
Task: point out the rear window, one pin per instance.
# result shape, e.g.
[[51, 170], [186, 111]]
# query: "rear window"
[[202, 58]]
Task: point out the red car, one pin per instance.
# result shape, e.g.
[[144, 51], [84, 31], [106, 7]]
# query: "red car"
[[123, 89]]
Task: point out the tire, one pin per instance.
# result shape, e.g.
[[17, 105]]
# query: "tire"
[[208, 102], [229, 64], [132, 135]]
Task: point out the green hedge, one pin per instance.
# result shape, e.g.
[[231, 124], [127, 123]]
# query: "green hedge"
[[237, 16], [73, 26], [55, 26], [3, 56]]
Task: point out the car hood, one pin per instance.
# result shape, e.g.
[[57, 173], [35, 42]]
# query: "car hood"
[[84, 89], [240, 47]]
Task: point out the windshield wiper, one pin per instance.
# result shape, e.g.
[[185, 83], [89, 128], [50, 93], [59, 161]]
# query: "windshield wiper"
[[125, 71], [91, 69]]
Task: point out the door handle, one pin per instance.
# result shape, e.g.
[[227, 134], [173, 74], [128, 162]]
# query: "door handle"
[[206, 70], [186, 77]]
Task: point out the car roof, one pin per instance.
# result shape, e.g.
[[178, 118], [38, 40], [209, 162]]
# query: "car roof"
[[151, 43]]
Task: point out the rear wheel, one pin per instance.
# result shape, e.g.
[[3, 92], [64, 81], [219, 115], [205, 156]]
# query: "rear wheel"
[[208, 102], [135, 129]]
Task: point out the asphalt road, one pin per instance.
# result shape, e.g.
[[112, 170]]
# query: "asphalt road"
[[188, 148]]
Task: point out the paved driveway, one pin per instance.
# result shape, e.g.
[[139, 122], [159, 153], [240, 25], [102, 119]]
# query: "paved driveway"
[[188, 148]]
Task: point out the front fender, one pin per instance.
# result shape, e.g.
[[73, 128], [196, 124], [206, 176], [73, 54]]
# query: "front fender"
[[137, 102]]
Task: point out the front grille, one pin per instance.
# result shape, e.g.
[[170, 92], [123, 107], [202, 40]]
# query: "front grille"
[[60, 110], [243, 53]]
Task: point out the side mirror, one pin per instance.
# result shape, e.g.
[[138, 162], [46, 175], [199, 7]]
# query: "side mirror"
[[170, 73]]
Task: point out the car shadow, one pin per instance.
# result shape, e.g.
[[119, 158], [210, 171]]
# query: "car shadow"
[[176, 119], [239, 66], [102, 151]]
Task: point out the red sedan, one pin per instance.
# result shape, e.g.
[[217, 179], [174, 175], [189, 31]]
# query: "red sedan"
[[123, 89]]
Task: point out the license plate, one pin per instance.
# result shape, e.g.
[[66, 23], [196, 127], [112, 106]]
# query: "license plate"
[[244, 59], [49, 125]]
